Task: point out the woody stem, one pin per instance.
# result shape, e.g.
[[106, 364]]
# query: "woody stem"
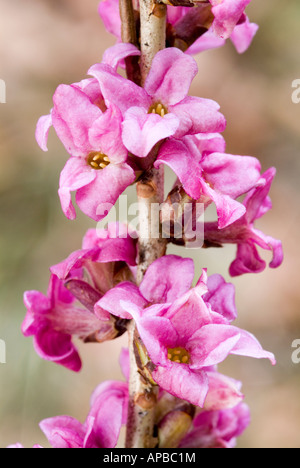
[[150, 193]]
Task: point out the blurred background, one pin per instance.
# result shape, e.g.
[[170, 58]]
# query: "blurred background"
[[48, 42]]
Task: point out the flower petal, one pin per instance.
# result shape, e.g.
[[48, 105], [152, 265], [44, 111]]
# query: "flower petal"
[[230, 174], [109, 13], [141, 131], [42, 131], [247, 260], [117, 53], [99, 197], [183, 383], [223, 393], [112, 300], [211, 344], [105, 134], [221, 297], [184, 160], [243, 35], [63, 432], [118, 90], [72, 116], [198, 115], [75, 175], [170, 76], [57, 347], [167, 278]]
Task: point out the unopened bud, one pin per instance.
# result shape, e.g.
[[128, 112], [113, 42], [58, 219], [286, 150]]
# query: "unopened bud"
[[84, 293], [173, 428]]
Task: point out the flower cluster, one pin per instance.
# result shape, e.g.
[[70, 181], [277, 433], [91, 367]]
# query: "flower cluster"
[[115, 132], [195, 30], [211, 428]]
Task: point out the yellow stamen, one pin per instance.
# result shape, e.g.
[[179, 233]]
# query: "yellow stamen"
[[179, 355], [98, 160], [158, 108]]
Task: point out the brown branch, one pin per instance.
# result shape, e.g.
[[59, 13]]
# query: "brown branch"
[[129, 35]]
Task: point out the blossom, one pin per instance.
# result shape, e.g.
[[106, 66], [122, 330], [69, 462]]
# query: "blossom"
[[236, 26], [106, 255], [98, 170], [245, 235], [217, 429], [101, 429], [18, 445], [208, 176], [102, 426], [183, 335], [227, 14], [162, 108], [54, 319]]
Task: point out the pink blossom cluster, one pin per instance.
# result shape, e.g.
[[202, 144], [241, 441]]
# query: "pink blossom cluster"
[[115, 130], [228, 21], [211, 428]]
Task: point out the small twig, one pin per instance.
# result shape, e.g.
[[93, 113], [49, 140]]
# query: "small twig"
[[129, 36]]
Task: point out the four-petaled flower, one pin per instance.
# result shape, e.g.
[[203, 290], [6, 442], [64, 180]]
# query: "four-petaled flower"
[[217, 429], [55, 318], [228, 21], [162, 108], [246, 236], [98, 170], [208, 175], [183, 335]]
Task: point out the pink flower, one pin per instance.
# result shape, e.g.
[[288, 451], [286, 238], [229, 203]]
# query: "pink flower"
[[18, 446], [246, 236], [183, 335], [101, 429], [98, 170], [209, 176], [162, 108], [227, 13], [217, 429], [235, 25], [53, 319], [241, 37], [105, 255], [103, 424]]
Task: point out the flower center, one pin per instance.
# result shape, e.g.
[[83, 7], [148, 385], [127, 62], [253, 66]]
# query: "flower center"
[[98, 160], [158, 108], [179, 355]]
